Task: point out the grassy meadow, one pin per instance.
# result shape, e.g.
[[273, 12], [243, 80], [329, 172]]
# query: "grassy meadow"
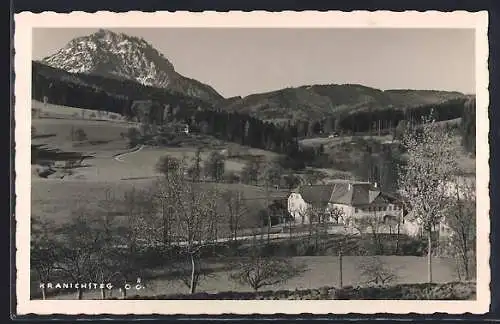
[[321, 271]]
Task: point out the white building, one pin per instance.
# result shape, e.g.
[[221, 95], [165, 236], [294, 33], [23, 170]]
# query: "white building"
[[356, 200]]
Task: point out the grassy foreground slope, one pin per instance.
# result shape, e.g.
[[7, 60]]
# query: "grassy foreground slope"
[[322, 271], [446, 291]]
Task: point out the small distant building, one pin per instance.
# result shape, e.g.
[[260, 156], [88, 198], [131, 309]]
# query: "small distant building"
[[176, 128]]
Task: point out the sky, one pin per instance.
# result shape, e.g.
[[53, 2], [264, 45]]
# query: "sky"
[[242, 61]]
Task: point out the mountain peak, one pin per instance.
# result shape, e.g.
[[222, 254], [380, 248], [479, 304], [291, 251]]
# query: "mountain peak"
[[121, 56]]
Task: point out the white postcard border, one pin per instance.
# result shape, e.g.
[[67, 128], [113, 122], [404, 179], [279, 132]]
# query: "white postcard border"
[[26, 21]]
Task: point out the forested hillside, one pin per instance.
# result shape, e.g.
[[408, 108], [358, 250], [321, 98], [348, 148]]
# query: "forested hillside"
[[110, 94]]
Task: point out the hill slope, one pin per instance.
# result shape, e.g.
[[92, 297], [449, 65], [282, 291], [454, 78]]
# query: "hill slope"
[[124, 57], [320, 101]]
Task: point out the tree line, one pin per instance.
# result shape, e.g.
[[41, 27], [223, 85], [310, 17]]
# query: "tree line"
[[383, 120], [117, 96], [104, 93]]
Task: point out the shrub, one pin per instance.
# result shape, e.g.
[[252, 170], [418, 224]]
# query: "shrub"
[[167, 164], [257, 271], [375, 271], [79, 135], [231, 177], [215, 165], [133, 136]]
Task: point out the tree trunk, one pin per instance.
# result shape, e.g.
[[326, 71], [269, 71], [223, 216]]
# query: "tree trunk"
[[79, 294], [429, 255], [192, 287], [341, 282], [316, 239], [44, 292], [268, 228], [466, 268], [124, 292], [397, 236], [459, 271], [103, 293], [466, 257]]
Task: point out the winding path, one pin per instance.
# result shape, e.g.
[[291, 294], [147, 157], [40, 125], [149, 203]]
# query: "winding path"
[[134, 150]]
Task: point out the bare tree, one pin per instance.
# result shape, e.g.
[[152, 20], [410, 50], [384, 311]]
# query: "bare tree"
[[259, 271], [196, 168], [250, 172], [43, 258], [79, 249], [140, 211], [110, 262], [344, 243], [461, 220], [235, 209], [372, 225], [215, 166], [321, 220], [430, 166], [272, 174], [167, 165], [375, 271], [315, 215], [195, 217], [183, 271], [117, 259]]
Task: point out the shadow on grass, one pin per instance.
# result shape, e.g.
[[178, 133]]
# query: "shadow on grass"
[[43, 136]]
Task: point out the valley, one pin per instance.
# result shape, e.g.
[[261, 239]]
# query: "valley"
[[188, 190]]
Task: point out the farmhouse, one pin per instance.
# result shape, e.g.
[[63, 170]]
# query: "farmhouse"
[[356, 200], [176, 128]]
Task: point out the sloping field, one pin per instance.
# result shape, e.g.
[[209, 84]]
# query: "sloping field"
[[55, 199], [103, 136], [57, 111], [136, 164], [150, 156]]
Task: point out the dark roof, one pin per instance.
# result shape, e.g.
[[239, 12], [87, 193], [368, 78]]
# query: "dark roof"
[[317, 194], [343, 192]]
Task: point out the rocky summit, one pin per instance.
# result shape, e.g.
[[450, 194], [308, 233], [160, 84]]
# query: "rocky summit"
[[121, 56]]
